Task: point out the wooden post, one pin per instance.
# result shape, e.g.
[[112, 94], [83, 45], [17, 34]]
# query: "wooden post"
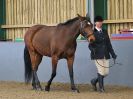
[[2, 19]]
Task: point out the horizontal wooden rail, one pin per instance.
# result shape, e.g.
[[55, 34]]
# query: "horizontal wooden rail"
[[22, 26], [118, 21], [105, 22]]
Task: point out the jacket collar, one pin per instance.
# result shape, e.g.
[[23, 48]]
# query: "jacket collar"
[[98, 29], [95, 30]]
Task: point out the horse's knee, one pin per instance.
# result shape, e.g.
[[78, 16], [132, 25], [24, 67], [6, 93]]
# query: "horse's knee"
[[53, 74], [71, 73]]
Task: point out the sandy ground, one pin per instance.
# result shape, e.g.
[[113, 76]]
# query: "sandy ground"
[[16, 90]]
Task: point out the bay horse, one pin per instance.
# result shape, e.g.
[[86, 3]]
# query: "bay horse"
[[57, 42]]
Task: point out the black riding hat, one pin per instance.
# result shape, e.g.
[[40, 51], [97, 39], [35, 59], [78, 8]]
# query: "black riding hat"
[[98, 19]]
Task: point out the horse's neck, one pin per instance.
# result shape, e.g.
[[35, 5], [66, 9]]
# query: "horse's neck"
[[75, 30]]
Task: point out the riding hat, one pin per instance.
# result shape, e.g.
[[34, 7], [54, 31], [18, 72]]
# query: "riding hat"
[[98, 19]]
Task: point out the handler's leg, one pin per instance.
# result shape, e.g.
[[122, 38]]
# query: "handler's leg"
[[106, 64], [101, 82], [94, 83], [103, 70], [95, 80]]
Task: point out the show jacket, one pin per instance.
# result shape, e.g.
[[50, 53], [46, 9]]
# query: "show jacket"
[[101, 48]]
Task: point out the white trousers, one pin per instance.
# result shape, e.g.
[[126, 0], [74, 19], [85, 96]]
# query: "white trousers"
[[102, 66]]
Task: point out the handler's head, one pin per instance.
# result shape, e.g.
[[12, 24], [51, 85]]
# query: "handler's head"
[[98, 21]]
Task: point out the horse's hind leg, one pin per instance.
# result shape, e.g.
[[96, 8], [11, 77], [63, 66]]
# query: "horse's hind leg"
[[70, 61], [54, 66], [35, 60]]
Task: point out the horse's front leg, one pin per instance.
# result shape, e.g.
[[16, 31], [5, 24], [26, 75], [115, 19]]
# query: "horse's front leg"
[[70, 61]]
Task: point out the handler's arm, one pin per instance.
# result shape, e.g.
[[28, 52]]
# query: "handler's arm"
[[110, 48]]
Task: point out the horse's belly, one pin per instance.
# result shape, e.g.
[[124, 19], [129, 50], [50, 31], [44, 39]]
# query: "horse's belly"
[[45, 52], [42, 49]]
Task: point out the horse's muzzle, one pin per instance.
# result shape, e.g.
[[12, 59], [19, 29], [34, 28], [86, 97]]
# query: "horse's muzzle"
[[91, 40]]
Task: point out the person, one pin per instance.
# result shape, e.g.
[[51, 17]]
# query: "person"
[[101, 49]]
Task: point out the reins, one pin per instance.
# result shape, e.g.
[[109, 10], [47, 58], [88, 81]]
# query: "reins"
[[115, 63]]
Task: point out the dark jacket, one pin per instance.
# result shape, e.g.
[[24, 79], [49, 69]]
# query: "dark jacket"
[[101, 47]]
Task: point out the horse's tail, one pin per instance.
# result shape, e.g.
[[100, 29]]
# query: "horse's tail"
[[28, 66]]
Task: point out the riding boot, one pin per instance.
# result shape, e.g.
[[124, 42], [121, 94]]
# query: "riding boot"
[[94, 83], [101, 82]]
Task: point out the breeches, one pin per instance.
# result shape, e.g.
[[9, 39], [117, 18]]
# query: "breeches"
[[102, 66]]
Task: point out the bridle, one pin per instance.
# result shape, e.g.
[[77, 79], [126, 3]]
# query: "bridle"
[[83, 32]]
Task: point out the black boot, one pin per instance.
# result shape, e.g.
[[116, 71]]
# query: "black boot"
[[94, 83], [101, 83]]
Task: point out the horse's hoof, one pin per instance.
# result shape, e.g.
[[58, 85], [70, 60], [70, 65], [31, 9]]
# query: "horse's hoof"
[[34, 88], [75, 90], [47, 88], [37, 88]]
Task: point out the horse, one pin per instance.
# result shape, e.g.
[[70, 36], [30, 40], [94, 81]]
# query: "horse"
[[57, 42]]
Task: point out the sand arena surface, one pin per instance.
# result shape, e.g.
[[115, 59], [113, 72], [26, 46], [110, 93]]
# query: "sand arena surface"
[[16, 90]]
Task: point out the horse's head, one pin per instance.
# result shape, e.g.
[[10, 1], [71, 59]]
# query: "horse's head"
[[86, 28]]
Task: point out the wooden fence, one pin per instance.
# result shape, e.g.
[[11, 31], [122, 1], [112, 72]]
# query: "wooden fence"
[[21, 14], [120, 15]]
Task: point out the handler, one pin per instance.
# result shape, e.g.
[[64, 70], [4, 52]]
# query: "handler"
[[101, 49]]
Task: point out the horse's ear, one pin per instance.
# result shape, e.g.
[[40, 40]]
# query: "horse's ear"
[[80, 17], [88, 16]]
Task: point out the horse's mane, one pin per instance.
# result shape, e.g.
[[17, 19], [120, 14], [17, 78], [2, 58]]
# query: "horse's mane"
[[70, 21]]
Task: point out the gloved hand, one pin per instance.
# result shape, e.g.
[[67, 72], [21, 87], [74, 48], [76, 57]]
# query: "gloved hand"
[[114, 56]]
